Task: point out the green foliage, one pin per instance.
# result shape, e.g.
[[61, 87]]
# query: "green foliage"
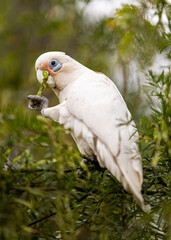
[[46, 190], [52, 194], [155, 146], [161, 115], [137, 38], [40, 177], [37, 169]]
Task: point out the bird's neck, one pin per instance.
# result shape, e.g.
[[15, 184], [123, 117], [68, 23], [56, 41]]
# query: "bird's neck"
[[69, 75]]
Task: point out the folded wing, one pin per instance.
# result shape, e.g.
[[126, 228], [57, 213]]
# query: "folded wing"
[[100, 124]]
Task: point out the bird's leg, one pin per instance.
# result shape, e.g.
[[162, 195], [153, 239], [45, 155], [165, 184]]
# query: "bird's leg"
[[52, 112], [37, 102]]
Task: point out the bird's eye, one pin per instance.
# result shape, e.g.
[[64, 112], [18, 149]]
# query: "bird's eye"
[[55, 65]]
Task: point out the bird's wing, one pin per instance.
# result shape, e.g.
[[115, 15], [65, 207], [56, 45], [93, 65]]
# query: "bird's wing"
[[95, 101]]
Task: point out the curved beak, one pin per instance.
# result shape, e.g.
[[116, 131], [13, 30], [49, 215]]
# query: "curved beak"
[[40, 77]]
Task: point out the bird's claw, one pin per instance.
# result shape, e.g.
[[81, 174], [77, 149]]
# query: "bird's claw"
[[37, 102]]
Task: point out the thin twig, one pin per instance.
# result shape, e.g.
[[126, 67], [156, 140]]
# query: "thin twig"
[[41, 219], [91, 215], [43, 170]]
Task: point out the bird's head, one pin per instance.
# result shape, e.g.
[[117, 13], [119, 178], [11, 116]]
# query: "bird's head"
[[61, 69]]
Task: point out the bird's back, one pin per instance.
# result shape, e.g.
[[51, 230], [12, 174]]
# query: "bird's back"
[[100, 124]]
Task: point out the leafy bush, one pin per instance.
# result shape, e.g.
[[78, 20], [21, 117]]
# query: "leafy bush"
[[47, 192]]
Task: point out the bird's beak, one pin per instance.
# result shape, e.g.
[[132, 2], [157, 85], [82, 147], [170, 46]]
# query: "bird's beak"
[[40, 76]]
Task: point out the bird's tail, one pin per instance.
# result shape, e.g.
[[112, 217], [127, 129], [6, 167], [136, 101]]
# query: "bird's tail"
[[130, 178]]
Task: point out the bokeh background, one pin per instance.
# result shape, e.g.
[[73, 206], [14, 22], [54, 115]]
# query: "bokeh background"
[[46, 191], [120, 43]]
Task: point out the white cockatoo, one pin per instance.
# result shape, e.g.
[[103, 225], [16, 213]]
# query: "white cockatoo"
[[96, 114]]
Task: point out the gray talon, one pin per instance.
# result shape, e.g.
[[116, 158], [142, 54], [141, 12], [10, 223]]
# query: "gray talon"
[[37, 102]]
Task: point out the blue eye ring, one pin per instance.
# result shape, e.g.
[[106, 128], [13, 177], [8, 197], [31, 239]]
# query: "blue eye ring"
[[55, 65], [53, 62]]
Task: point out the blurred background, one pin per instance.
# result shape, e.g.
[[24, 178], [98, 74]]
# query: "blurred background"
[[120, 41], [42, 194]]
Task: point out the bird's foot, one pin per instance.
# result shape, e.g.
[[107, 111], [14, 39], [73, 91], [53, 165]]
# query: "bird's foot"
[[37, 102]]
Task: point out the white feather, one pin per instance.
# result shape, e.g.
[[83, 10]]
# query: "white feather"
[[77, 128], [94, 110]]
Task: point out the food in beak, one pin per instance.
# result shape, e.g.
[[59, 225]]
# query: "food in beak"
[[44, 82]]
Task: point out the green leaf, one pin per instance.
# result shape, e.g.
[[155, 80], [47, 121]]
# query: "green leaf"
[[23, 202]]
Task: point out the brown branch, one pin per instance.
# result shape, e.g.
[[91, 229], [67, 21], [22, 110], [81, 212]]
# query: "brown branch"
[[43, 170], [41, 219]]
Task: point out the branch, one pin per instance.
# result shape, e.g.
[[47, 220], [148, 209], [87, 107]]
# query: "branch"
[[90, 216], [41, 219], [43, 170]]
